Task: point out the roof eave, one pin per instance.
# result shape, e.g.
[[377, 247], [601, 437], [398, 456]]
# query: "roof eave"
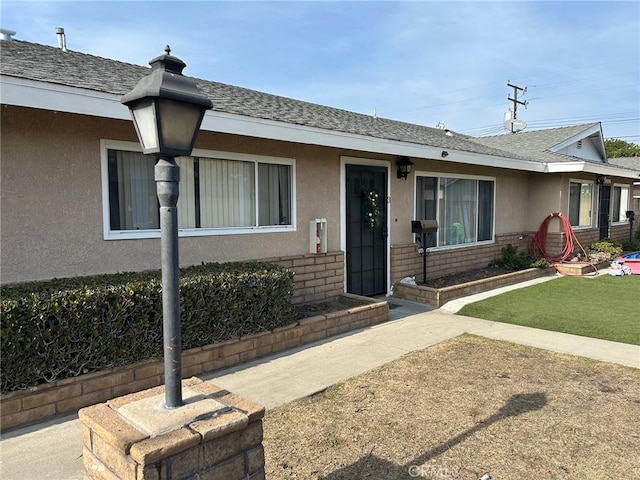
[[274, 130], [23, 92], [48, 96], [590, 167]]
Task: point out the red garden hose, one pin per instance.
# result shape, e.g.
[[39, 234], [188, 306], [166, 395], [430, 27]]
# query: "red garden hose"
[[539, 243]]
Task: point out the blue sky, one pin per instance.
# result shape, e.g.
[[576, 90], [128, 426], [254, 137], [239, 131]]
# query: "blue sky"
[[422, 62]]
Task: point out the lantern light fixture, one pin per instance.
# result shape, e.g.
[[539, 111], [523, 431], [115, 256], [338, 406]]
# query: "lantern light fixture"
[[404, 167], [167, 108]]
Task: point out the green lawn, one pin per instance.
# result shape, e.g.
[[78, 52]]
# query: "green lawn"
[[605, 307]]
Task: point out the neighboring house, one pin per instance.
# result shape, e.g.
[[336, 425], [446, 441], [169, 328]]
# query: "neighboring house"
[[578, 148], [634, 164], [78, 197]]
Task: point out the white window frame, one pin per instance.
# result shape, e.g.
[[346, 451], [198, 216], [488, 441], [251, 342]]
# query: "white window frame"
[[462, 177], [594, 199], [628, 205], [108, 234]]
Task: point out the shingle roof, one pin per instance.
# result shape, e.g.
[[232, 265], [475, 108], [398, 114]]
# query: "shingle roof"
[[538, 143], [50, 64], [627, 162]]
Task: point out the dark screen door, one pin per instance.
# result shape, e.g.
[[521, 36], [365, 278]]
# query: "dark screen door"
[[603, 210], [366, 217]]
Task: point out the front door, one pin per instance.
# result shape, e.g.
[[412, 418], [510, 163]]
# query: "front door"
[[603, 210], [366, 216]]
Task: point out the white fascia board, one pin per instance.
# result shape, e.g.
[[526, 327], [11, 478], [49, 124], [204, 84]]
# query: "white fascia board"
[[564, 167], [274, 130], [60, 98], [588, 167], [469, 158], [49, 96]]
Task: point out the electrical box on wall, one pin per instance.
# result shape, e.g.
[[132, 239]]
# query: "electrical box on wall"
[[318, 235]]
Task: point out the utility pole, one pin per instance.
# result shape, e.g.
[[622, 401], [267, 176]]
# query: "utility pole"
[[515, 100]]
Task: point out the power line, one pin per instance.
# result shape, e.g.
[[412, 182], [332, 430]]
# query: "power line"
[[550, 123], [612, 76]]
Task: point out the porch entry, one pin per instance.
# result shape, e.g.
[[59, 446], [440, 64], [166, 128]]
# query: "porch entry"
[[366, 229], [604, 201]]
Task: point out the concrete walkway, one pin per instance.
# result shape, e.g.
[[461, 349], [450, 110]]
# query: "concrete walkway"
[[53, 450]]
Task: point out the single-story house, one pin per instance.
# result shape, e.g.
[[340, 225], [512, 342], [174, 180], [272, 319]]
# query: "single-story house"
[[634, 164], [268, 175]]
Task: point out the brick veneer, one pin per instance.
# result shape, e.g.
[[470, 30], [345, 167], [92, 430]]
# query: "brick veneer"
[[66, 396], [407, 262], [556, 240], [224, 445], [317, 276]]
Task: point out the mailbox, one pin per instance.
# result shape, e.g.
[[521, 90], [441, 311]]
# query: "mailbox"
[[631, 216], [424, 226]]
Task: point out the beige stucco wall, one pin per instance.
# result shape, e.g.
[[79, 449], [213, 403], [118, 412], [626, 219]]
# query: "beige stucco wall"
[[547, 195], [511, 196], [51, 198], [551, 194]]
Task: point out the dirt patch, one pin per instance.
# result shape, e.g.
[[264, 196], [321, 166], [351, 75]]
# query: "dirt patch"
[[461, 409], [464, 277], [330, 305]]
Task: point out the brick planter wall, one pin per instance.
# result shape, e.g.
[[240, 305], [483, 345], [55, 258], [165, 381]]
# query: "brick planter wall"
[[67, 396], [440, 296]]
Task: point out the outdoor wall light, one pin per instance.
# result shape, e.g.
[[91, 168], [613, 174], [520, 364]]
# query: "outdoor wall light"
[[167, 110], [404, 167], [444, 154]]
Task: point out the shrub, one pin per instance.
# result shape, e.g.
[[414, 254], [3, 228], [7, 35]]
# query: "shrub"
[[632, 246], [64, 328], [539, 263], [511, 259], [604, 250]]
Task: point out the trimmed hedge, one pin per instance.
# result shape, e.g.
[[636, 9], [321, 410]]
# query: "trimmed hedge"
[[63, 328]]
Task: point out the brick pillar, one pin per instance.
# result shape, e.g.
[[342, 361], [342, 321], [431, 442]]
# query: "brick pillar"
[[216, 435]]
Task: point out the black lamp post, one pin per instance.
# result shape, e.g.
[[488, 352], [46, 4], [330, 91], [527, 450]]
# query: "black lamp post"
[[167, 110]]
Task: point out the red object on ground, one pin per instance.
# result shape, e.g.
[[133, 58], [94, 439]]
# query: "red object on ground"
[[539, 242]]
